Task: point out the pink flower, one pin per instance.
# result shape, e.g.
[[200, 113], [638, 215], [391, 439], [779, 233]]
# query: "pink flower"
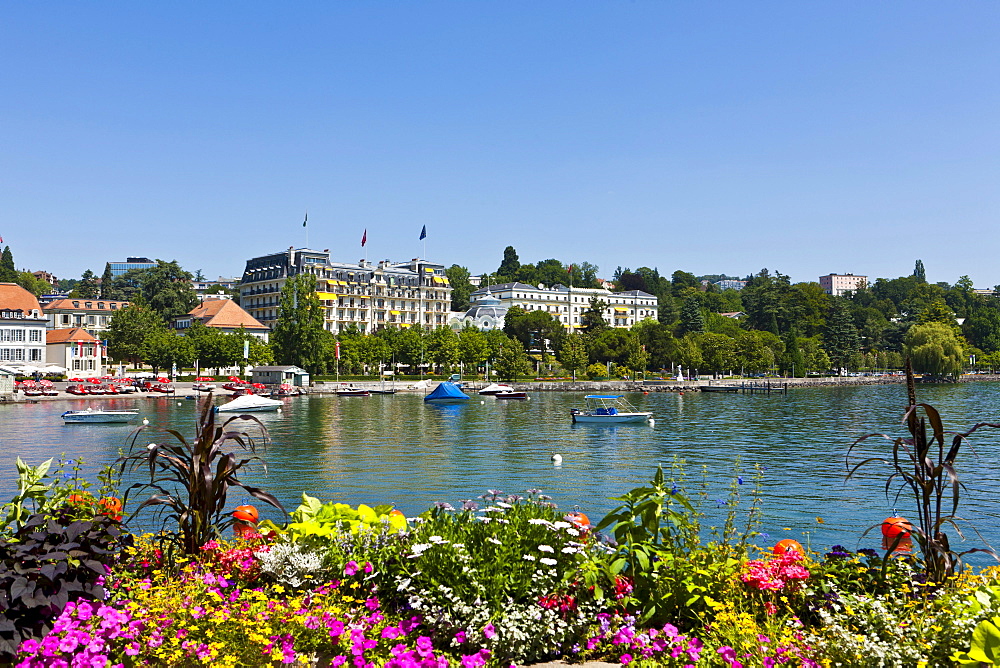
[[489, 632], [350, 568], [460, 637], [391, 632], [626, 659], [368, 567]]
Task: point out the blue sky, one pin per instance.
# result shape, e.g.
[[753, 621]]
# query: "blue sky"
[[712, 137]]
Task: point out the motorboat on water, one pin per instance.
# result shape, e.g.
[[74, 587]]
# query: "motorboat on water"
[[92, 415], [250, 403], [351, 391], [609, 409], [446, 392], [496, 388], [511, 394]]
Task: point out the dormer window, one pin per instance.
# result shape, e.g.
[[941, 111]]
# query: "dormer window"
[[89, 305], [100, 305], [76, 304]]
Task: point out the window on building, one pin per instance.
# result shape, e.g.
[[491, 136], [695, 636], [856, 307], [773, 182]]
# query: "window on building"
[[35, 335], [36, 355]]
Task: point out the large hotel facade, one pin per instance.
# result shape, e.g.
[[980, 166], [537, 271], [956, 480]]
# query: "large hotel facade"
[[363, 295], [567, 304]]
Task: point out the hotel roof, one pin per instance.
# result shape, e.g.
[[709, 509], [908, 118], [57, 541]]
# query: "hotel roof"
[[81, 304], [15, 298], [71, 334]]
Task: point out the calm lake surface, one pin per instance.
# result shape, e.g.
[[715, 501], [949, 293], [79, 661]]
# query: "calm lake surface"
[[396, 449]]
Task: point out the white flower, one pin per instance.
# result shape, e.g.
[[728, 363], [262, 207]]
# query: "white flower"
[[491, 509], [561, 525], [501, 520], [420, 548], [528, 557], [458, 546], [569, 550], [538, 520], [545, 548], [547, 561], [485, 519], [437, 539], [494, 541], [572, 532], [501, 504]]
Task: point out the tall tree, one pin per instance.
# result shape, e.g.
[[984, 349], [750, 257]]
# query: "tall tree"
[[163, 348], [8, 273], [573, 355], [530, 327], [127, 331], [512, 361], [592, 319], [442, 348], [692, 319], [87, 288], [841, 337], [510, 266], [298, 333], [167, 289], [107, 279], [918, 271], [461, 288], [473, 348]]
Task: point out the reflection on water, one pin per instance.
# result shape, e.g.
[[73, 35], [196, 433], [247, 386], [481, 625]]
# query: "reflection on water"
[[395, 449]]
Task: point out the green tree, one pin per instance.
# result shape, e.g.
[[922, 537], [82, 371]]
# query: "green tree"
[[259, 352], [298, 333], [684, 279], [657, 339], [32, 284], [934, 348], [473, 348], [375, 353], [752, 352], [127, 331], [87, 288], [107, 282], [127, 286], [592, 319], [918, 272], [8, 272], [529, 327], [512, 361], [692, 319], [167, 289], [163, 348], [840, 340], [509, 267], [717, 351], [573, 355], [461, 288], [442, 348], [982, 328], [212, 348], [412, 349]]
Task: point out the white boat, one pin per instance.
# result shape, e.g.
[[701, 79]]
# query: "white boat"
[[100, 415], [496, 388], [609, 409], [250, 403], [202, 387]]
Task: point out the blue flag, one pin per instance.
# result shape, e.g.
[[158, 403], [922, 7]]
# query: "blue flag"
[[423, 232]]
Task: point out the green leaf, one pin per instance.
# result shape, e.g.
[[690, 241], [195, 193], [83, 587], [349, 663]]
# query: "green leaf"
[[986, 641]]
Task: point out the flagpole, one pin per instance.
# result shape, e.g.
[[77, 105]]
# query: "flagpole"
[[305, 224]]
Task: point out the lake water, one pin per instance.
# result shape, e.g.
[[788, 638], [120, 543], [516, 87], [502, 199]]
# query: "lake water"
[[396, 449]]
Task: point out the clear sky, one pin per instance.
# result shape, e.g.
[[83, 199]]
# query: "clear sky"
[[714, 137]]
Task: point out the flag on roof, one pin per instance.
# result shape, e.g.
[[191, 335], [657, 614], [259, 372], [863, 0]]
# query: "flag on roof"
[[423, 232]]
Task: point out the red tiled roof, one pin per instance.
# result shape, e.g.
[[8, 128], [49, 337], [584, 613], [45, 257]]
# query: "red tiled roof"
[[224, 313], [67, 304], [69, 334], [15, 298]]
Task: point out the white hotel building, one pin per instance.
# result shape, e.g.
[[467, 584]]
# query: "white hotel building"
[[367, 296], [568, 303]]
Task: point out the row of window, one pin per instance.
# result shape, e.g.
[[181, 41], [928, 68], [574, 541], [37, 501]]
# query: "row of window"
[[18, 334], [78, 320], [18, 355]]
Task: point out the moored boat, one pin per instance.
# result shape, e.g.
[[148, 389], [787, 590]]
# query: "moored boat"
[[609, 409], [446, 392], [250, 403], [92, 416], [496, 388], [351, 391], [511, 394]]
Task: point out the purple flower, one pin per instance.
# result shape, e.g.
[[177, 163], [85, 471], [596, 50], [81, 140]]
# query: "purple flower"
[[626, 659]]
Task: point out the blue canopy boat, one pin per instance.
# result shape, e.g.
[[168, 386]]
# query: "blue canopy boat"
[[446, 393]]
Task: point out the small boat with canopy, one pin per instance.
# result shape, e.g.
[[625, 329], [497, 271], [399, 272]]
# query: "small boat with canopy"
[[609, 409]]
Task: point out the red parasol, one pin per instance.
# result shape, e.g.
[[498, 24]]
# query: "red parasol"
[[76, 380], [107, 376], [236, 379], [201, 379], [162, 380], [259, 386], [96, 381]]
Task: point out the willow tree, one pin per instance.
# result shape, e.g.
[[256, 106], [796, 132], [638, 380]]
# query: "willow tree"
[[934, 348]]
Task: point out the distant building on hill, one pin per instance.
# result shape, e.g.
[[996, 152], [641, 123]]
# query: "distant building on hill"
[[119, 268], [838, 284], [568, 304]]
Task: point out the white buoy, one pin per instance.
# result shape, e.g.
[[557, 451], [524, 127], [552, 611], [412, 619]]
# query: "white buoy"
[[145, 420], [279, 410], [482, 402], [652, 422], [179, 403], [557, 459]]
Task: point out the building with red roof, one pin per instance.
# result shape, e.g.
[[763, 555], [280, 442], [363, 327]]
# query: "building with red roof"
[[225, 315], [22, 327]]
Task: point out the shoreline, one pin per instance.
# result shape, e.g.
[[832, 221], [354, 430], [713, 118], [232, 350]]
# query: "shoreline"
[[184, 390]]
